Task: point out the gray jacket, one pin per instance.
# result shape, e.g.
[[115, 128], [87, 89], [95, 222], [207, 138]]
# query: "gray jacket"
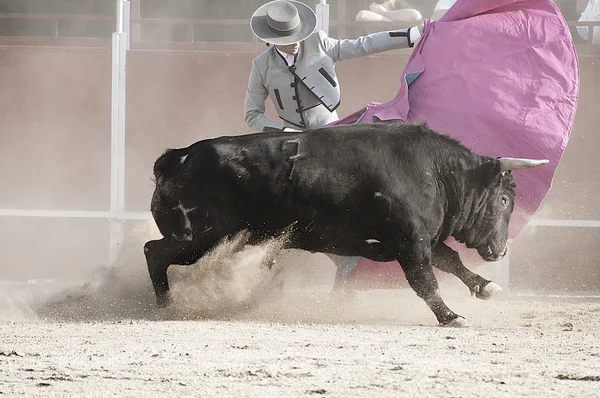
[[307, 93]]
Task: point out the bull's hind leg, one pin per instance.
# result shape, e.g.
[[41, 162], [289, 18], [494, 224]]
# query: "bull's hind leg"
[[448, 260], [415, 260], [159, 255]]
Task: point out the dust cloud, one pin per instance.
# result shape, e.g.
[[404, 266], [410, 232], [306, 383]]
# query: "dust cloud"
[[222, 283], [231, 279], [235, 281]]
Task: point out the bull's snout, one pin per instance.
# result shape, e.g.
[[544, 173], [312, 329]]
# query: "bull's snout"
[[488, 253]]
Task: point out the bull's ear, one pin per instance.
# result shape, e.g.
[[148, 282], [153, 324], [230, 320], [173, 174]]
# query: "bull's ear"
[[491, 172]]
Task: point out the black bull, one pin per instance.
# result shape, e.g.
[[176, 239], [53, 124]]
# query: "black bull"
[[380, 191]]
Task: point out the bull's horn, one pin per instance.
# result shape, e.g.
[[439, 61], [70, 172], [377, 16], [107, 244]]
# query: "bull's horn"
[[507, 164]]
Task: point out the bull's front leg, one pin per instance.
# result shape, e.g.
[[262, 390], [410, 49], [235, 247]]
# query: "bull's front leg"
[[157, 268], [448, 260], [416, 264], [160, 254]]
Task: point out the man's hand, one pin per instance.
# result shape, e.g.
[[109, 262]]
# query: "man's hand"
[[378, 8]]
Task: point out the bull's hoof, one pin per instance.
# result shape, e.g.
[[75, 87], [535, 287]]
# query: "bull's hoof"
[[490, 290], [163, 301], [459, 322]]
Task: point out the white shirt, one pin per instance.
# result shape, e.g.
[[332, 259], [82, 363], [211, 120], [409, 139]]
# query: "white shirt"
[[289, 58]]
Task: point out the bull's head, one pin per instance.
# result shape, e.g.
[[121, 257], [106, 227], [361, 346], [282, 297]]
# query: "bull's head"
[[493, 211]]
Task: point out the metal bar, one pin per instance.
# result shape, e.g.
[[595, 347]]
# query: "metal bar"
[[114, 138], [60, 17], [119, 14], [118, 96], [118, 114], [122, 79], [126, 215], [546, 222], [138, 215], [130, 215], [54, 34], [322, 11], [205, 21], [83, 43], [561, 295], [505, 273], [115, 239], [583, 23], [127, 22], [191, 21]]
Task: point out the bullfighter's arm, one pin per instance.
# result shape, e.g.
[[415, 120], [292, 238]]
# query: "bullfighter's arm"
[[254, 104], [374, 43]]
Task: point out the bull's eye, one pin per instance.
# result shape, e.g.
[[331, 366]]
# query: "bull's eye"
[[504, 201]]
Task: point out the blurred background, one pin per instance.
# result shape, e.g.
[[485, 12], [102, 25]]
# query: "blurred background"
[[187, 71]]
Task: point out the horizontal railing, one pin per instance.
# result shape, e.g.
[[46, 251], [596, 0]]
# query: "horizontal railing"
[[55, 19], [36, 213], [145, 215], [54, 38]]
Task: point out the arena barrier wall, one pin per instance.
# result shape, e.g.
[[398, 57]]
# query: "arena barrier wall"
[[55, 152]]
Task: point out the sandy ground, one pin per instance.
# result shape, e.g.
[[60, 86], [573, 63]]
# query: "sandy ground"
[[238, 329]]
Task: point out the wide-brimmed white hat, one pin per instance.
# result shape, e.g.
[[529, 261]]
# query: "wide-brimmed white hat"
[[283, 22]]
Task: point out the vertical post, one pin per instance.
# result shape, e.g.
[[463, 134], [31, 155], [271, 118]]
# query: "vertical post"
[[341, 31], [117, 146], [322, 11], [502, 274], [506, 274], [127, 22], [119, 14], [55, 28]]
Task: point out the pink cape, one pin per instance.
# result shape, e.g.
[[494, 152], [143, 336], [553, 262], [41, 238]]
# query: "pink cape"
[[501, 76]]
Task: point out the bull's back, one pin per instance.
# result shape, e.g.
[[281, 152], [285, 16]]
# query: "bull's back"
[[342, 159], [330, 156], [270, 167], [322, 164]]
